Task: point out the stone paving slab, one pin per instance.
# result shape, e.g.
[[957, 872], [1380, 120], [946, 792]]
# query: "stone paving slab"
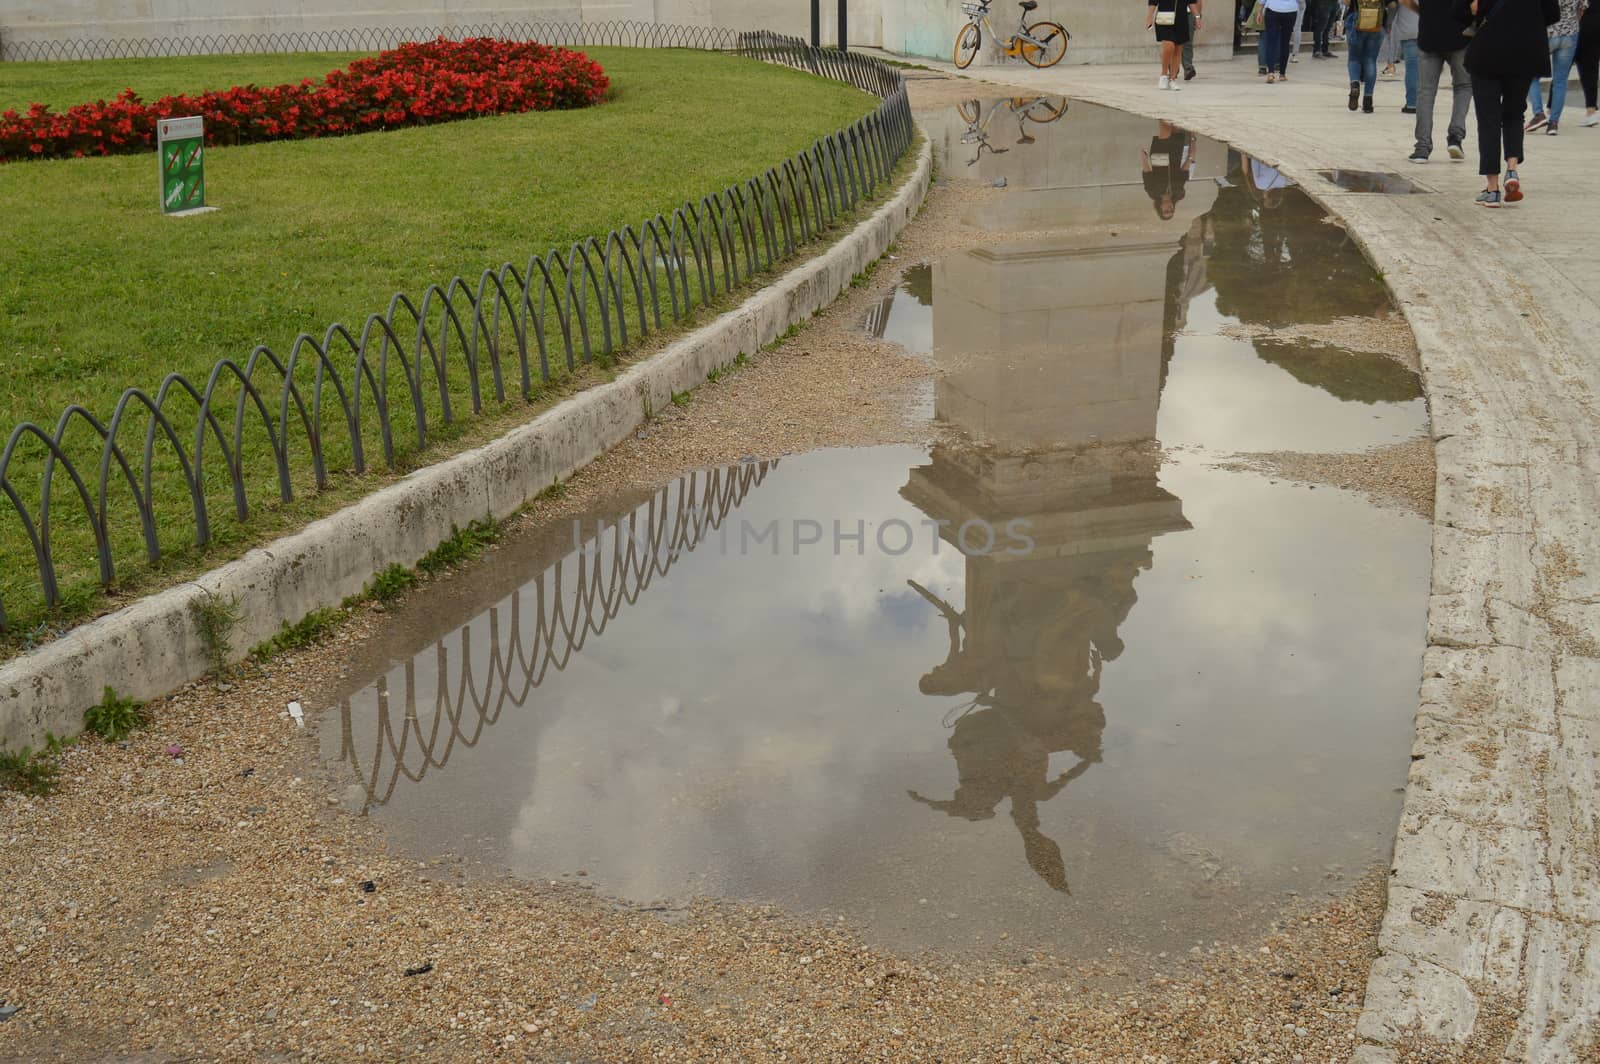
[[1495, 896]]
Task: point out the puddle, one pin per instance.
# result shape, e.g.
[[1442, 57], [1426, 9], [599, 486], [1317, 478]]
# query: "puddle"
[[1384, 184], [1038, 687]]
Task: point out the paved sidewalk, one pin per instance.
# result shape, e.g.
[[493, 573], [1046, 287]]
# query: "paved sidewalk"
[[1494, 903]]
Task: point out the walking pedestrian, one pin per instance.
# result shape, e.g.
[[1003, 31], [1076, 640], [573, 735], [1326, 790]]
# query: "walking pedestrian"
[[1363, 35], [1324, 13], [1563, 50], [1171, 21], [1509, 49], [1589, 62], [1440, 43], [1279, 28], [1188, 46]]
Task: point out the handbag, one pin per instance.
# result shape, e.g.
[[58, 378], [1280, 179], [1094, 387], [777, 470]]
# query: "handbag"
[[1258, 17], [1369, 17], [1166, 18]]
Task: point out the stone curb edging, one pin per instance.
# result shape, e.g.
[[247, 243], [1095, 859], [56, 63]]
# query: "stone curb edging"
[[153, 647]]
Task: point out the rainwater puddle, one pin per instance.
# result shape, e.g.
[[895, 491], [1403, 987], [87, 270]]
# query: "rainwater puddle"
[[1037, 687], [1383, 184]]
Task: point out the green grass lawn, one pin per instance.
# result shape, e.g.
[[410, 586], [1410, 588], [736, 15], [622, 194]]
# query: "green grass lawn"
[[61, 85], [98, 291]]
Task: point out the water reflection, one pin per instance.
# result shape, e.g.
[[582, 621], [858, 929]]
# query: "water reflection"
[[979, 115], [537, 629], [1189, 694]]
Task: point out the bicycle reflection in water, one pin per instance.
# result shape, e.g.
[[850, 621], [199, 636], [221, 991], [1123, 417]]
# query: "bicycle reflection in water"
[[1040, 109]]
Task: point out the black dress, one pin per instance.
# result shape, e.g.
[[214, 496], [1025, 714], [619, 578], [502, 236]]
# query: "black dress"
[[1169, 170], [1178, 32]]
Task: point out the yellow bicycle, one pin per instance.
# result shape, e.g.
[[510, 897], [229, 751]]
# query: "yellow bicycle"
[[1042, 44]]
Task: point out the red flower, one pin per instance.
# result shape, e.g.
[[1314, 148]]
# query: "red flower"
[[413, 84]]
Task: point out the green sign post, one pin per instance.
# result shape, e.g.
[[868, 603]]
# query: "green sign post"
[[180, 147]]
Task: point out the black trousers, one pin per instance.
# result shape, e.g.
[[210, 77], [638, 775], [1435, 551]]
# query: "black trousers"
[[1323, 15], [1500, 104], [1589, 61]]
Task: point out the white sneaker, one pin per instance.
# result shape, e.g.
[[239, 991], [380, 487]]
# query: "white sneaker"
[[1164, 83], [1591, 119], [1174, 87]]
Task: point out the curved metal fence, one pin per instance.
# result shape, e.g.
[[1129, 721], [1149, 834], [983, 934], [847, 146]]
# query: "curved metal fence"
[[619, 34], [406, 374], [394, 731]]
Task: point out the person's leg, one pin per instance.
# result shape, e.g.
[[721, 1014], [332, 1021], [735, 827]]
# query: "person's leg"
[[1321, 25], [1188, 48], [1589, 69], [1515, 98], [1261, 47], [1562, 52], [1461, 96], [1294, 36], [1408, 50], [1369, 64], [1430, 68], [1486, 102], [1285, 39], [1351, 59]]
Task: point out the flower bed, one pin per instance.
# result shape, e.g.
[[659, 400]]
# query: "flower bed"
[[412, 85]]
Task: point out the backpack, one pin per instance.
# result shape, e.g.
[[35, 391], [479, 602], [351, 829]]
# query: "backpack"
[[1369, 16]]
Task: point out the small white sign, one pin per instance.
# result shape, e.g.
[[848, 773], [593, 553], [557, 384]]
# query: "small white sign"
[[180, 128]]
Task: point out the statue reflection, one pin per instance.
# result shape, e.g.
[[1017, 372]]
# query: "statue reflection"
[[1052, 356]]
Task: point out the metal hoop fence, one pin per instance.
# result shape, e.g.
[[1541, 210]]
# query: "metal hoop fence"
[[402, 379], [406, 729], [616, 34]]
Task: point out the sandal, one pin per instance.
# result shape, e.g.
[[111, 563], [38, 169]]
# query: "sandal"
[[1272, 79]]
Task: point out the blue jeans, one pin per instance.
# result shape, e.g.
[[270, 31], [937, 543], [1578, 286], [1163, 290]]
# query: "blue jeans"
[[1363, 49], [1563, 50], [1409, 50]]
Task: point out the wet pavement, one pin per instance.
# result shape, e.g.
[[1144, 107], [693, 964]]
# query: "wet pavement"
[[1059, 680], [1384, 184]]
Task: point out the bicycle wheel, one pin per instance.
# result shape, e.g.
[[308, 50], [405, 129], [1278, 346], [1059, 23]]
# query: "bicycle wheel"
[[1055, 38], [1046, 112], [967, 42], [970, 111]]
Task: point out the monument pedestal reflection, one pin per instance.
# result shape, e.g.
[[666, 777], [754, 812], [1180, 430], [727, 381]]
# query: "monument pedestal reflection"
[[1051, 364]]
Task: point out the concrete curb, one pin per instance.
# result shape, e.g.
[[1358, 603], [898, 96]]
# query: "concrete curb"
[[153, 647]]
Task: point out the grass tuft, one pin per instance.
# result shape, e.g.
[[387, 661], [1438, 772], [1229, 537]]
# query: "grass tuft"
[[33, 772], [391, 583], [308, 631], [216, 618], [115, 718], [463, 545]]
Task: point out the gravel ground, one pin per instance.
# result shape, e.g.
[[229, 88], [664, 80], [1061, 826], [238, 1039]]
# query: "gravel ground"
[[1387, 335], [199, 894], [1401, 475]]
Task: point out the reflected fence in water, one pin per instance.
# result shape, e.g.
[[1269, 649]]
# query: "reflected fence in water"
[[453, 698], [169, 459]]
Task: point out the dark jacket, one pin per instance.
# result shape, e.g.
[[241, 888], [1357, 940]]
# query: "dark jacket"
[[1511, 41], [1438, 32]]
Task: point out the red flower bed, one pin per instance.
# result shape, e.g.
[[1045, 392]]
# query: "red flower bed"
[[412, 85]]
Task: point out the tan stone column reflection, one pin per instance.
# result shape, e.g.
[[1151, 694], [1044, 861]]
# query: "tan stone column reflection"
[[1051, 358]]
